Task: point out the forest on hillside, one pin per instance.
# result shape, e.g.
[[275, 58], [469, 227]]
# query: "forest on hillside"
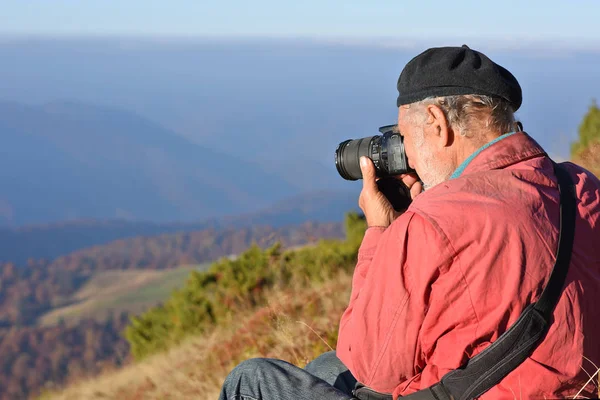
[[54, 352]]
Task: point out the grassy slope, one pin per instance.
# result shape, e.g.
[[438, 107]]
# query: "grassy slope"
[[117, 291], [296, 325]]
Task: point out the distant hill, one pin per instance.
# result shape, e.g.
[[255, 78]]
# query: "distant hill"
[[53, 240], [66, 161], [172, 250], [40, 286]]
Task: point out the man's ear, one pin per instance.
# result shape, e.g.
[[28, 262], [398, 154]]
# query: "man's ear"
[[436, 118]]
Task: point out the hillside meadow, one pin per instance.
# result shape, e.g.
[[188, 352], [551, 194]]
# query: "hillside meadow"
[[120, 291], [271, 303], [296, 324]]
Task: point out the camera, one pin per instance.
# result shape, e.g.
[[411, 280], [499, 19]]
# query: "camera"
[[386, 151]]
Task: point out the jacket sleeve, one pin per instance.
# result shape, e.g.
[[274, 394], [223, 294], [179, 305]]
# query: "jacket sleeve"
[[379, 331]]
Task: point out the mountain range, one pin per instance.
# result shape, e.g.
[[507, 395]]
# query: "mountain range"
[[184, 131], [74, 176], [48, 241], [66, 161]]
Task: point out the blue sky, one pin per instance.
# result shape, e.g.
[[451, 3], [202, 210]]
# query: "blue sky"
[[511, 21]]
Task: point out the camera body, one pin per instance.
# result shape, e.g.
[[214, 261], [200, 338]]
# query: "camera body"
[[386, 151]]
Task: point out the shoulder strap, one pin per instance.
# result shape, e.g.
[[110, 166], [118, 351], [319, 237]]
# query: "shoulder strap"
[[506, 353], [568, 211]]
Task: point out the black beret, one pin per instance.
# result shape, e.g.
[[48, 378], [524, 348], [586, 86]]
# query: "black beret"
[[448, 71]]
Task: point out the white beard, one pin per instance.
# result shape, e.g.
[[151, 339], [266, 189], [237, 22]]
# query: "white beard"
[[435, 172]]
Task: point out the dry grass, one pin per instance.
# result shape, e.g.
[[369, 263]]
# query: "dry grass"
[[297, 325]]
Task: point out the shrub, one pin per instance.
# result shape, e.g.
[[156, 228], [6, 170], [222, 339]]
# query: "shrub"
[[586, 151], [211, 297]]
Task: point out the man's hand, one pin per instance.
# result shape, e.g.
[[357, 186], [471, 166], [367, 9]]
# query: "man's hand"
[[376, 207]]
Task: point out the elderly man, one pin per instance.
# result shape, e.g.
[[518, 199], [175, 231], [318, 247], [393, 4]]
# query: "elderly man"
[[439, 283]]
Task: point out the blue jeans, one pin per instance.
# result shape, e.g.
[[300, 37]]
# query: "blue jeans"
[[325, 378]]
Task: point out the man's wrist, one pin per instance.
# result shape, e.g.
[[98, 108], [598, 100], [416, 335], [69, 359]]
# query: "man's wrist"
[[374, 223]]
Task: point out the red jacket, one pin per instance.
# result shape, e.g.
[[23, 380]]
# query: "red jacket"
[[453, 272]]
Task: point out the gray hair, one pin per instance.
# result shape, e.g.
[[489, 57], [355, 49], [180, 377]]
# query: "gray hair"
[[472, 113]]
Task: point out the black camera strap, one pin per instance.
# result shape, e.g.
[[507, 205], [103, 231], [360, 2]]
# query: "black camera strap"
[[506, 353]]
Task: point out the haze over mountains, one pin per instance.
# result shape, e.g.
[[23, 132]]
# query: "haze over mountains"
[[190, 130], [49, 241], [67, 161]]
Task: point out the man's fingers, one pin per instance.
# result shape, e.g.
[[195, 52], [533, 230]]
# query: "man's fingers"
[[370, 180], [413, 183], [416, 189], [369, 174], [409, 179]]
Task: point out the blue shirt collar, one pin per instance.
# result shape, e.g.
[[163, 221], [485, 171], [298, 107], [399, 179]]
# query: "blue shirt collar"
[[461, 168]]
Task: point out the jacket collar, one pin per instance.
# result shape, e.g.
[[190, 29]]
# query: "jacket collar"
[[506, 150]]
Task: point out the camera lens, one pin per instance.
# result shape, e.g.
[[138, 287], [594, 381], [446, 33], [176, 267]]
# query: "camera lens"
[[386, 151], [347, 156]]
